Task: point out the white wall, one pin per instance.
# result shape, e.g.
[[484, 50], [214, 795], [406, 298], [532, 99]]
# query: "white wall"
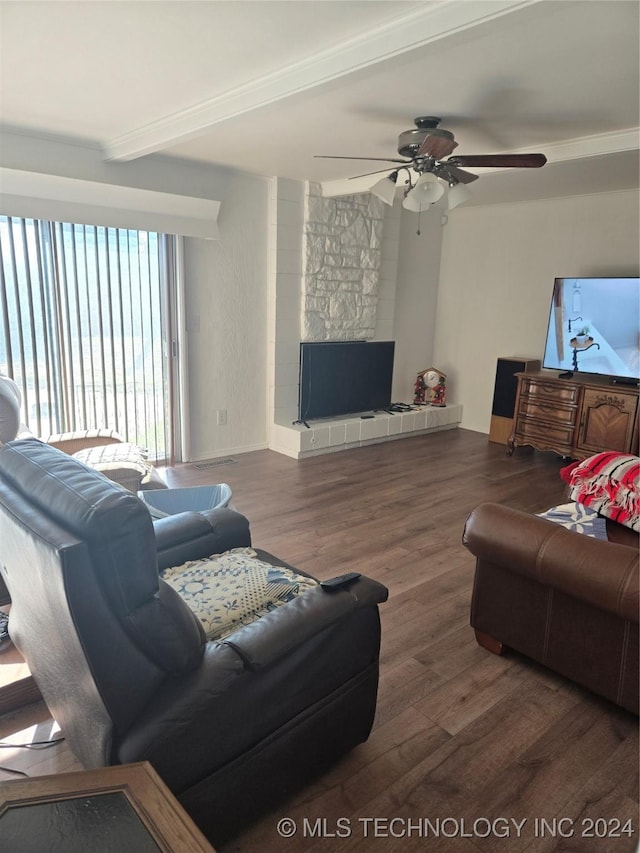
[[226, 311], [387, 281], [496, 276], [68, 158], [416, 300], [285, 292]]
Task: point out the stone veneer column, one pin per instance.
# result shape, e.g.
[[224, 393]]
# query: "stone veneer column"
[[342, 252]]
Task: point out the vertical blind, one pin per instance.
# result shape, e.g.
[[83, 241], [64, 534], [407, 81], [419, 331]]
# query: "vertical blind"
[[83, 314]]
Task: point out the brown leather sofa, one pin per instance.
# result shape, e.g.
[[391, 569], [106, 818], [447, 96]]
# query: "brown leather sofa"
[[232, 726], [562, 598]]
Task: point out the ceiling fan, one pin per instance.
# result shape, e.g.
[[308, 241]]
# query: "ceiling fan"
[[424, 148]]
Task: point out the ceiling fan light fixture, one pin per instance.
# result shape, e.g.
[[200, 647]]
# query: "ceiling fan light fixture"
[[413, 203], [385, 188], [457, 194], [428, 189]]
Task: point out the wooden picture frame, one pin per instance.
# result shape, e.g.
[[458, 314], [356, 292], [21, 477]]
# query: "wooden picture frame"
[[112, 809]]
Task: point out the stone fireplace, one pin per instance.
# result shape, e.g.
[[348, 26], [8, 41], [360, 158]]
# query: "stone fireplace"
[[333, 266], [342, 256]]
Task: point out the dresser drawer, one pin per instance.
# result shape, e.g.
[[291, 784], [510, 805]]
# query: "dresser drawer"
[[554, 392], [551, 434], [533, 407]]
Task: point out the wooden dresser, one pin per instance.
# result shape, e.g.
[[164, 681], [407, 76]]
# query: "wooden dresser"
[[574, 417]]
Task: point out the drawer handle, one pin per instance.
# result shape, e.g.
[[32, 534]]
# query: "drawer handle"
[[546, 408], [548, 389]]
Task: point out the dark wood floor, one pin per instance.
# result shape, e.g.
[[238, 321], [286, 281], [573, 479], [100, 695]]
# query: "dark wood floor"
[[480, 745]]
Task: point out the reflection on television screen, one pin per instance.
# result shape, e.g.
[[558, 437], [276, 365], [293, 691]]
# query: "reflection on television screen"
[[594, 327]]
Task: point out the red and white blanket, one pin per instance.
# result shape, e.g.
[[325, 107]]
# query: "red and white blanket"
[[609, 483]]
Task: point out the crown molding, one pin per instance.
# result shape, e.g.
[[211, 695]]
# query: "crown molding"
[[593, 146]]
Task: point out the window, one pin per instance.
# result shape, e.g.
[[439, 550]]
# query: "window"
[[84, 323]]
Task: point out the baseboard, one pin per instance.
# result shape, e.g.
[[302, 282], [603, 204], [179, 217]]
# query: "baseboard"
[[207, 455]]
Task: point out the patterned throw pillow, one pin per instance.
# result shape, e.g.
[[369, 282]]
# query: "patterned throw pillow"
[[609, 483], [579, 518], [122, 462], [233, 589]]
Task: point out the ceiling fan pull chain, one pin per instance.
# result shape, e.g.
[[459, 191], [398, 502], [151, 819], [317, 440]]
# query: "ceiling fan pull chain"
[[419, 215]]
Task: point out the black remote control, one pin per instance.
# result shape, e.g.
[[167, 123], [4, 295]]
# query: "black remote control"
[[339, 581]]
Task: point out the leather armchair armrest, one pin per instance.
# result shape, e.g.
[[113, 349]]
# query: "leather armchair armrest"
[[279, 632], [219, 712], [601, 573], [194, 535]]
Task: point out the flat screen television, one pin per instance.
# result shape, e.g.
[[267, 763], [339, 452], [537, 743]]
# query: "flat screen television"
[[594, 327], [344, 377]]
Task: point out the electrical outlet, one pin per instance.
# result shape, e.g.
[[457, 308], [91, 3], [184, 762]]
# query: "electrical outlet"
[[221, 417]]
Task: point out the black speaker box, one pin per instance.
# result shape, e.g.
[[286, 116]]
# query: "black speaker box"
[[504, 395]]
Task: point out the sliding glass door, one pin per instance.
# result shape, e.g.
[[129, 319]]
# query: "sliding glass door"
[[85, 328]]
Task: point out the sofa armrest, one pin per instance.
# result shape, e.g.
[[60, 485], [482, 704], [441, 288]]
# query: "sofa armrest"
[[235, 703], [277, 633], [194, 535], [603, 574]]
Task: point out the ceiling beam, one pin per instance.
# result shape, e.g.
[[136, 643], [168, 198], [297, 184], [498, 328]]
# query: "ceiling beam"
[[429, 23]]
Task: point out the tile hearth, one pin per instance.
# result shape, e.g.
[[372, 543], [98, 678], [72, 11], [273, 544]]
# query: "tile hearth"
[[329, 436]]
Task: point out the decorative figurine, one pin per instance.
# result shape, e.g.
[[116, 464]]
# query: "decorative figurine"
[[419, 390], [430, 387]]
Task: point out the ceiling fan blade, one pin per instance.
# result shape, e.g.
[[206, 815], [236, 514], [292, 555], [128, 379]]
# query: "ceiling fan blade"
[[438, 143], [446, 169], [366, 174], [521, 161], [381, 159]]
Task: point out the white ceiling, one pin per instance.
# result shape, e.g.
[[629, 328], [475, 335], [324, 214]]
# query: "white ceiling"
[[263, 86]]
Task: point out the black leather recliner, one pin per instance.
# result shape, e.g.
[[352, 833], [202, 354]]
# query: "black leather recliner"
[[231, 726]]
